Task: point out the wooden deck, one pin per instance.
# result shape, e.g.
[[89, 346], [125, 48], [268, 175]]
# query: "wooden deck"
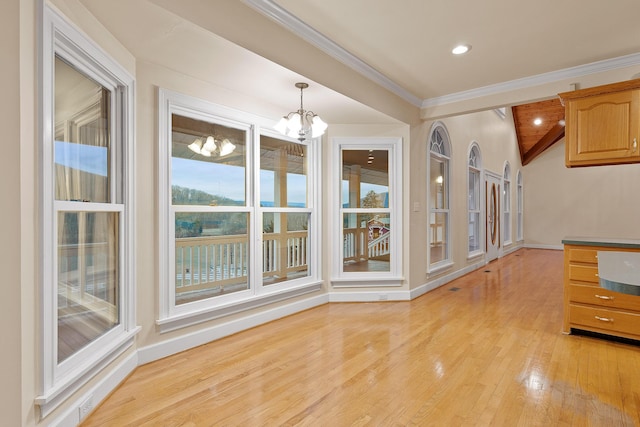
[[484, 350]]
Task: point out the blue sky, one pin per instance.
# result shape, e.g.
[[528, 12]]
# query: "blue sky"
[[87, 158], [229, 181]]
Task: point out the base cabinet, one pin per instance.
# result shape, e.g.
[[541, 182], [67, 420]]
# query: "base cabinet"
[[588, 306]]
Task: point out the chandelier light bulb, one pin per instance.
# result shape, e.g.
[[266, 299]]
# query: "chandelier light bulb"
[[209, 145], [196, 146]]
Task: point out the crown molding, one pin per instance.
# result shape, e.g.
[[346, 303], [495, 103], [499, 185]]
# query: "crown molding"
[[275, 12], [272, 10], [539, 79]]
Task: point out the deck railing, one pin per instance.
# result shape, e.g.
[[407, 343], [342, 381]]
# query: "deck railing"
[[357, 247], [205, 263]]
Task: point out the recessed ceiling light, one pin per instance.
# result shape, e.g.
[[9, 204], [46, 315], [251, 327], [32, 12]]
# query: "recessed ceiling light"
[[537, 121], [460, 49]]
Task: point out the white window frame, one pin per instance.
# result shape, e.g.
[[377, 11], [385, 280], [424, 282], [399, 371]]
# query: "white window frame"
[[172, 316], [520, 201], [507, 220], [475, 168], [447, 262], [58, 381], [393, 277]]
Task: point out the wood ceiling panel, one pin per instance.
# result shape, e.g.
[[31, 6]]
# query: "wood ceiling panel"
[[534, 139]]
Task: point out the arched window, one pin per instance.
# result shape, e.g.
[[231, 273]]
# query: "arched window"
[[506, 205], [439, 240], [473, 200], [520, 196]]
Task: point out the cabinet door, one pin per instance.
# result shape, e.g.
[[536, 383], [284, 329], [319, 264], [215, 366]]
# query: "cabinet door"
[[603, 129]]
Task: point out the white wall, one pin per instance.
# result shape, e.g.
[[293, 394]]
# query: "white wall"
[[599, 201], [497, 141], [10, 192]]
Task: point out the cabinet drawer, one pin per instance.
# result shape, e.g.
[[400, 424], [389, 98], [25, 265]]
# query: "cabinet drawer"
[[603, 297], [589, 256], [584, 273], [605, 320]]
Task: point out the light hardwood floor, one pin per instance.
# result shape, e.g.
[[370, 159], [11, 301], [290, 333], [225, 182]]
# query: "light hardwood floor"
[[484, 350]]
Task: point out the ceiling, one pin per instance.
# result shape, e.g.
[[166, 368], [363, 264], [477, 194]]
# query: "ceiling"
[[402, 48], [410, 42]]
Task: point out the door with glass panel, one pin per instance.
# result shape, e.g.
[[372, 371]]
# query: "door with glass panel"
[[492, 215]]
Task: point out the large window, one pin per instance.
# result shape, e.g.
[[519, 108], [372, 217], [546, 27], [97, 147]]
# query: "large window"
[[87, 288], [238, 212], [369, 210], [506, 205], [209, 209], [473, 201], [520, 196], [439, 241]]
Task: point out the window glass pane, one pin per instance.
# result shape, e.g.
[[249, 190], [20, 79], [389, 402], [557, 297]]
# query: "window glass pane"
[[365, 178], [284, 249], [211, 257], [283, 173], [88, 276], [507, 196], [507, 210], [474, 231], [366, 242], [208, 163], [82, 139], [474, 189], [438, 184], [438, 238]]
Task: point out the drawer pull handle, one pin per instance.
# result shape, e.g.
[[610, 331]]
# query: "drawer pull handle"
[[604, 319], [597, 275], [604, 297]]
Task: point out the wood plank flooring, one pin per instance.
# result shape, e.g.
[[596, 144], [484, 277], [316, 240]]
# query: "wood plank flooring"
[[484, 350]]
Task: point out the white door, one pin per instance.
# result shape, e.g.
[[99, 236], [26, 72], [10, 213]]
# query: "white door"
[[492, 215]]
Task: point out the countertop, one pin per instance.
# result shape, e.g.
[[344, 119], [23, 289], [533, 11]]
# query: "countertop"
[[602, 241]]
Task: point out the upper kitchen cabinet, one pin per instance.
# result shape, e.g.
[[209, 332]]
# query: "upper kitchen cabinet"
[[602, 124]]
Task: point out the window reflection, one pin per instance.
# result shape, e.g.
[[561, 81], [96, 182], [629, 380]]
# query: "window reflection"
[[209, 175], [82, 136], [88, 270], [88, 278]]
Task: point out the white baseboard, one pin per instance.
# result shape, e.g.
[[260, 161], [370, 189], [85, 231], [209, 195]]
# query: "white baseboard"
[[97, 393], [442, 280], [535, 246], [194, 339], [370, 296]]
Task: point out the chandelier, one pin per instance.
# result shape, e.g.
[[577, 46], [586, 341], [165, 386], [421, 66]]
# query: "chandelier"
[[207, 146], [301, 124]]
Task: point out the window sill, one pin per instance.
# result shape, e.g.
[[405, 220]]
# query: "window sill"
[[366, 282], [173, 323], [55, 396], [438, 268], [474, 255]]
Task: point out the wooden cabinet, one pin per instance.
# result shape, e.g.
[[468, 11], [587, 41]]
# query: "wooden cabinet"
[[602, 124], [590, 307]]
